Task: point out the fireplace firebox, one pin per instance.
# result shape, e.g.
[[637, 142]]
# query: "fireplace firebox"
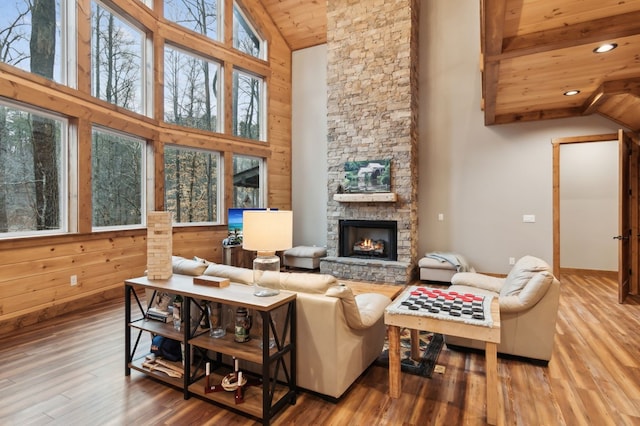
[[368, 239]]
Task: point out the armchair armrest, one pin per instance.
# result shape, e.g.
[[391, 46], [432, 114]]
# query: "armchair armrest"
[[361, 311], [531, 294], [474, 279]]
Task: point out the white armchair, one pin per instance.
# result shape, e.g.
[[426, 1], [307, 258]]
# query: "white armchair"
[[529, 298]]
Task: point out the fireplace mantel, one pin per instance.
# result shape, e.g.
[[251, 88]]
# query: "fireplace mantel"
[[379, 197]]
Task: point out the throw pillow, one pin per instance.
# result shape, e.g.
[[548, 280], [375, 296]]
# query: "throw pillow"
[[234, 273], [187, 266], [201, 260]]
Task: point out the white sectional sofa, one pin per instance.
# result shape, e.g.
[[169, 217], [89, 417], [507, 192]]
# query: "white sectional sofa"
[[339, 335]]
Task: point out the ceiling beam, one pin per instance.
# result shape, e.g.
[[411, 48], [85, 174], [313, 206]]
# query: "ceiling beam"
[[538, 115], [628, 86], [492, 29], [597, 30]]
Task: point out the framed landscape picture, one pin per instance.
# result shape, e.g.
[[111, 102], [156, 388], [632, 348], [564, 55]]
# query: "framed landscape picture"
[[367, 176]]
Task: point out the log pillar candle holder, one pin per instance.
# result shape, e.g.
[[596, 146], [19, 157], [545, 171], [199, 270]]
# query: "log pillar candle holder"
[[159, 245]]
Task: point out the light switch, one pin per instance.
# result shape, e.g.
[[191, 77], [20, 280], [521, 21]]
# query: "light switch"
[[529, 218], [440, 217]]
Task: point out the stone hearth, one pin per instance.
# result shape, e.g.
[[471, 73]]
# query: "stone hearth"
[[372, 79]]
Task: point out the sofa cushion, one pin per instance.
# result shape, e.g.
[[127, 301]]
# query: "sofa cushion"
[[234, 273], [525, 268], [308, 283], [291, 281], [184, 266]]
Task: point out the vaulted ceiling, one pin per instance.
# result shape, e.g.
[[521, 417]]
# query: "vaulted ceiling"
[[532, 52]]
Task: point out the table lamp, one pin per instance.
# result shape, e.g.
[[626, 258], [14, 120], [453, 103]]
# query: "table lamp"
[[267, 231]]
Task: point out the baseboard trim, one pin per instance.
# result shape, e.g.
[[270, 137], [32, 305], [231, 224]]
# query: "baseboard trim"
[[598, 272]]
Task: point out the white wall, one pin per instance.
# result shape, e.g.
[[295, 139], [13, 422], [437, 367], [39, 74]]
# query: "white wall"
[[482, 179], [309, 146], [589, 205]]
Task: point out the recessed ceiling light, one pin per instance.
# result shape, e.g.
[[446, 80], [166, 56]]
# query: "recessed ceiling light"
[[607, 47], [571, 92]]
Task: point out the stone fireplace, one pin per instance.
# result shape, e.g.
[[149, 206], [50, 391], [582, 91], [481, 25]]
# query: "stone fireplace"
[[372, 106]]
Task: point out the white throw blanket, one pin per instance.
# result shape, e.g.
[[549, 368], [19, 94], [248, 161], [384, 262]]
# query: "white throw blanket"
[[456, 260]]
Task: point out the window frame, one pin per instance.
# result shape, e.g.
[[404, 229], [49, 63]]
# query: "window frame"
[[146, 60], [262, 104], [144, 204], [220, 21], [219, 123], [262, 178], [73, 217], [219, 193], [65, 192], [263, 45]]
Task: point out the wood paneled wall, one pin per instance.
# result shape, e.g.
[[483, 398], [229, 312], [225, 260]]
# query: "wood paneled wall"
[[35, 272]]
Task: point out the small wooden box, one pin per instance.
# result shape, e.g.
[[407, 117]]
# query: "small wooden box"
[[211, 281]]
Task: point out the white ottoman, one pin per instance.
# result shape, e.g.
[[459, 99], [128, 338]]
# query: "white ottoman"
[[306, 257], [435, 270]]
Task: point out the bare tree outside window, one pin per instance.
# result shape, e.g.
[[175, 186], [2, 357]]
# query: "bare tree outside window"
[[191, 90], [247, 90], [117, 179], [30, 193], [200, 16], [245, 38], [191, 184], [116, 59], [28, 28]]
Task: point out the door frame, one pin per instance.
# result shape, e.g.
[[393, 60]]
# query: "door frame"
[[629, 261]]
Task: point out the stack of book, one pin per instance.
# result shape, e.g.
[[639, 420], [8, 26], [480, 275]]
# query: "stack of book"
[[158, 315]]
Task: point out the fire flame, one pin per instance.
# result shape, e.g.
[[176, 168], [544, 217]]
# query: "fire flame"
[[369, 244]]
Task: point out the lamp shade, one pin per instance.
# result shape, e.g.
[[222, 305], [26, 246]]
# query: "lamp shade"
[[267, 230]]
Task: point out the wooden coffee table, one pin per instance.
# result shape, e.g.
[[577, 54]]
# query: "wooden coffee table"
[[490, 335]]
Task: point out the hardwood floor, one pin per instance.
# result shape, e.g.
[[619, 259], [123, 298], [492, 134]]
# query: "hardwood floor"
[[70, 371]]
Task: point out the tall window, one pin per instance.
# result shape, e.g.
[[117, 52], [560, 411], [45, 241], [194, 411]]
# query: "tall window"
[[31, 36], [118, 173], [117, 60], [245, 38], [247, 105], [191, 88], [192, 180], [200, 16], [248, 180], [33, 180]]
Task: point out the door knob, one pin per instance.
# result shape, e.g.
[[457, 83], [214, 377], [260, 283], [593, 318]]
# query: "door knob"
[[621, 237]]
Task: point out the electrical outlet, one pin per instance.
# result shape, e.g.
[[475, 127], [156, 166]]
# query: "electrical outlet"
[[529, 218], [440, 217], [512, 261], [73, 280]]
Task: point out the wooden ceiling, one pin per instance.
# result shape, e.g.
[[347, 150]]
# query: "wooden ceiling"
[[302, 23], [532, 52]]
